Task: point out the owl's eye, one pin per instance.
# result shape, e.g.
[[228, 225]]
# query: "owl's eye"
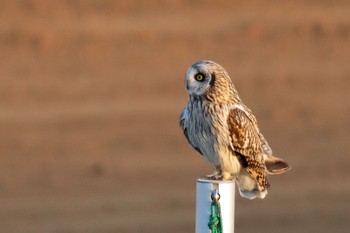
[[199, 77]]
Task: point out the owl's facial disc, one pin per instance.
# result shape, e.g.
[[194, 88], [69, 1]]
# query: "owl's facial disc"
[[197, 80]]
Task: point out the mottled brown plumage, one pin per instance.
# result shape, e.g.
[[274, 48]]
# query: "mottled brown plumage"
[[221, 128], [246, 141]]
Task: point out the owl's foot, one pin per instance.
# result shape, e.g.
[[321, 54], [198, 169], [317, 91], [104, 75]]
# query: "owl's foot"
[[216, 175], [213, 177]]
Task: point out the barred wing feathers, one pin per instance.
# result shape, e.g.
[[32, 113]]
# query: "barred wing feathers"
[[246, 143]]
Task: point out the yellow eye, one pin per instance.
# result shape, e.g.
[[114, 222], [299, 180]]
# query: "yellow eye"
[[199, 77]]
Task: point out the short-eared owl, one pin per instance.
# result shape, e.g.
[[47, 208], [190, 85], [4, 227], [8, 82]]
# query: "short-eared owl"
[[221, 128]]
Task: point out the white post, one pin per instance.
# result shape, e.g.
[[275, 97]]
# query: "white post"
[[226, 190]]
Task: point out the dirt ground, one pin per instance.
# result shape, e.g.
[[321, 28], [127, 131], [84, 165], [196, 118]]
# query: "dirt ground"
[[91, 92]]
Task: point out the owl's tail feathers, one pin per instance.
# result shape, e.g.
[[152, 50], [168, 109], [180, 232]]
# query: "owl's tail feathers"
[[276, 166]]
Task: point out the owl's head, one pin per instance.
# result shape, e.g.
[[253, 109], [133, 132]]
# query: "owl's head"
[[209, 79], [198, 78]]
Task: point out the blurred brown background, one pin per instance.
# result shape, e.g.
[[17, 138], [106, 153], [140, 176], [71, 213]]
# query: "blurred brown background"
[[91, 91]]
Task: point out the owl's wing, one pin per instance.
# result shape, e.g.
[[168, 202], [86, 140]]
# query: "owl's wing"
[[183, 118], [245, 139], [266, 148]]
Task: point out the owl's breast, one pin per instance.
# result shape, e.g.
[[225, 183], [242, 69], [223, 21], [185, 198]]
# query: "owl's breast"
[[207, 132]]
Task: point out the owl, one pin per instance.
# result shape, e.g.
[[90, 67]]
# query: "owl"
[[223, 130]]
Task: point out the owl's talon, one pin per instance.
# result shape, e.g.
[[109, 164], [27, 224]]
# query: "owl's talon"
[[213, 177]]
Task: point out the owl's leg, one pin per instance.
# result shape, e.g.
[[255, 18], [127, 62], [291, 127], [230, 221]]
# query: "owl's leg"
[[217, 174], [226, 176]]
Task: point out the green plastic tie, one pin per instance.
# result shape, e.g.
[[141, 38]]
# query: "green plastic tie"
[[215, 222]]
